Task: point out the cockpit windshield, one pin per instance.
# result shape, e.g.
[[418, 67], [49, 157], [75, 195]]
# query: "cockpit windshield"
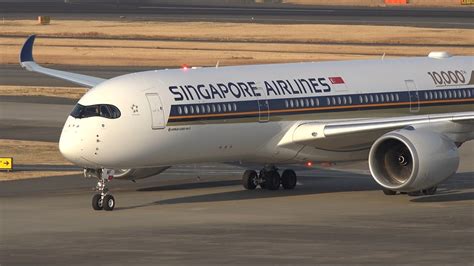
[[102, 110]]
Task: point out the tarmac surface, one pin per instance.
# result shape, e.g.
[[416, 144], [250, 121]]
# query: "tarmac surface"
[[200, 214], [423, 17]]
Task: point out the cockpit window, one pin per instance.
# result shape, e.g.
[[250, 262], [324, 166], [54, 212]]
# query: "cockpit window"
[[102, 110]]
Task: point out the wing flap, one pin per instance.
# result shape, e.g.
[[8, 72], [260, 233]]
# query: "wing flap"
[[28, 63]]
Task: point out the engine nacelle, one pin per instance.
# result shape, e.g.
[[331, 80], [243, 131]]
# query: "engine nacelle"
[[412, 159], [127, 174]]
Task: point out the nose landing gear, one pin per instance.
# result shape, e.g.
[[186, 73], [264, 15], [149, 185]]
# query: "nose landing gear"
[[102, 200]]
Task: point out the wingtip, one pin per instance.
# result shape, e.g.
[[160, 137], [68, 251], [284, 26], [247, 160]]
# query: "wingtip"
[[26, 54]]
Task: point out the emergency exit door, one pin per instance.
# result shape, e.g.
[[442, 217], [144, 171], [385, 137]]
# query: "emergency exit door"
[[156, 108]]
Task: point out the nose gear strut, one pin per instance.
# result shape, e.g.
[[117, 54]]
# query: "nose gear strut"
[[103, 200]]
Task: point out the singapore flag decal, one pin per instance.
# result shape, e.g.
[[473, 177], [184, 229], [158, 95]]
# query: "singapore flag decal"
[[336, 80]]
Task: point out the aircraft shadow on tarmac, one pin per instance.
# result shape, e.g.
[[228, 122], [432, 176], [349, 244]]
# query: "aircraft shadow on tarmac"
[[343, 182]]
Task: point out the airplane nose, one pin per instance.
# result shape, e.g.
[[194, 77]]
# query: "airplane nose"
[[69, 146]]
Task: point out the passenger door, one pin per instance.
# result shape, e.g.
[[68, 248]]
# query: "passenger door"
[[263, 106], [413, 95], [156, 109]]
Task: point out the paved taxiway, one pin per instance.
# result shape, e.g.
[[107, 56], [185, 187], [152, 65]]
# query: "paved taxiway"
[[425, 17], [201, 214]]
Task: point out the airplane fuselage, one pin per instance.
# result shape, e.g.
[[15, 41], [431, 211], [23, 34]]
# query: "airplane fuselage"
[[241, 113]]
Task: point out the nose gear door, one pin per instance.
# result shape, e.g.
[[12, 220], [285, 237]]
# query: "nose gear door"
[[156, 109]]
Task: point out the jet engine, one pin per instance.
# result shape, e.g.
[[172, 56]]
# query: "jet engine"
[[411, 159], [127, 174]]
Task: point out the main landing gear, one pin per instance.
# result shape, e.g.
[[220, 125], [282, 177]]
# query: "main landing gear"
[[428, 191], [102, 200], [269, 178]]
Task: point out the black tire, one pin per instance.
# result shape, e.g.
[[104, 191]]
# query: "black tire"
[[288, 179], [109, 202], [272, 180], [97, 202], [249, 179], [389, 192], [430, 191]]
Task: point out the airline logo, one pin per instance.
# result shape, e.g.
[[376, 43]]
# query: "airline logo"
[[250, 89]]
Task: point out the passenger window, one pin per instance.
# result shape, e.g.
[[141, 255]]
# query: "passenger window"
[[191, 109], [469, 93], [235, 107], [392, 98], [339, 100], [376, 98], [218, 108], [360, 99], [328, 101], [317, 101], [350, 99], [224, 108], [397, 98], [382, 99], [291, 103], [302, 103], [197, 109], [463, 93], [371, 98], [344, 100], [366, 99], [333, 101], [311, 101], [208, 108], [203, 109]]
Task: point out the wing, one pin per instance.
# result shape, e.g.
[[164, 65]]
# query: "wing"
[[360, 134], [27, 62]]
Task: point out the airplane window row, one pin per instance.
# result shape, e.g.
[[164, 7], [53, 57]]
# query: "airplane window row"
[[297, 103], [379, 98], [207, 108], [342, 100], [338, 100], [102, 110], [449, 94]]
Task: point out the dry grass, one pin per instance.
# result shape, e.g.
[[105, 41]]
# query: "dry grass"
[[32, 152], [63, 92], [203, 43]]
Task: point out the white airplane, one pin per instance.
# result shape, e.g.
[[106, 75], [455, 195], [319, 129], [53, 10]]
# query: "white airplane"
[[406, 116]]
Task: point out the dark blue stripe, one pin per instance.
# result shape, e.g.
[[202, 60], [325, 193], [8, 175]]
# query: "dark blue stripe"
[[287, 106]]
